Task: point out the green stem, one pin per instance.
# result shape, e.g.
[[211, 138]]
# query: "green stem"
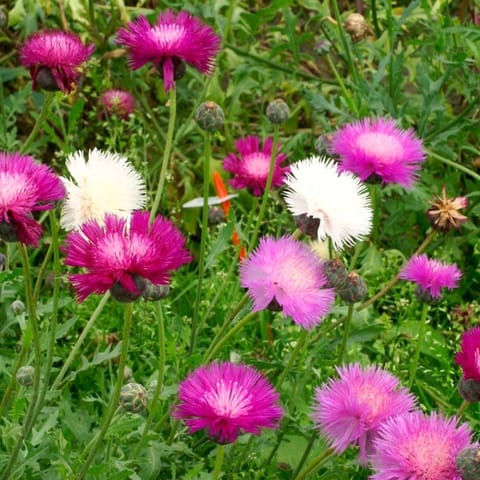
[[298, 347], [346, 95], [421, 335], [314, 464], [375, 18], [218, 462], [306, 452], [375, 194], [346, 333], [166, 153], [39, 122], [112, 407], [79, 342], [465, 404], [453, 164], [42, 272], [11, 383]]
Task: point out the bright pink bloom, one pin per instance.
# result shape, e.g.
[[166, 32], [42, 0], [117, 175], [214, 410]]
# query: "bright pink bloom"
[[431, 275], [373, 148], [124, 251], [287, 273], [56, 53], [415, 446], [26, 187], [251, 167], [174, 39], [350, 410], [228, 399], [118, 102], [469, 356]]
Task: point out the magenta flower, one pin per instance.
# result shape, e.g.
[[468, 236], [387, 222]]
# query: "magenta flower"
[[26, 187], [174, 40], [377, 149], [431, 275], [54, 59], [251, 167], [124, 254], [286, 273], [351, 409], [420, 447], [469, 356], [118, 102], [227, 399]]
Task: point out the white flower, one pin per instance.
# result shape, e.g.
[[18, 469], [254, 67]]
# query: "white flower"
[[102, 183], [339, 200]]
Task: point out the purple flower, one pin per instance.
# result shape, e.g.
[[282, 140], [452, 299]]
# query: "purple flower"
[[350, 410], [431, 275], [227, 399], [118, 102], [173, 40], [287, 273], [56, 54], [251, 167], [376, 148], [420, 447], [469, 356], [26, 186], [121, 253]]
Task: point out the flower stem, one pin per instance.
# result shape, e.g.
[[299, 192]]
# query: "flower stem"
[[346, 95], [298, 347], [306, 452], [218, 462], [11, 383], [314, 464], [461, 409], [453, 164], [421, 335], [346, 333], [166, 153]]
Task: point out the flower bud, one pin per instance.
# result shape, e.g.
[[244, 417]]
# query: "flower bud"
[[8, 233], [127, 373], [468, 463], [209, 116], [121, 294], [354, 290], [3, 18], [18, 307], [118, 102], [444, 213], [179, 68], [45, 80], [356, 25], [133, 397], [25, 376], [322, 144], [278, 111], [424, 296], [307, 225], [216, 215], [469, 389], [322, 47], [152, 292], [336, 273]]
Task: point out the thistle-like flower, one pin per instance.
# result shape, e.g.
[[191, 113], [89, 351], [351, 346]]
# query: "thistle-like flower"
[[118, 102], [468, 358], [444, 213]]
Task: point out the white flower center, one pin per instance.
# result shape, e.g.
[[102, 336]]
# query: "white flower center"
[[13, 186], [229, 399], [386, 148], [257, 164], [168, 34]]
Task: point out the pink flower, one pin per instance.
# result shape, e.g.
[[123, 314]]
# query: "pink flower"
[[431, 275], [287, 273], [54, 59], [420, 447], [118, 102], [227, 399], [376, 148], [26, 187], [123, 254], [350, 410], [173, 40], [469, 356], [251, 167]]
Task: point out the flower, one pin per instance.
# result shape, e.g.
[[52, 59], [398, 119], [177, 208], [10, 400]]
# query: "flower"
[[54, 59], [350, 410], [469, 356], [287, 273], [118, 102], [420, 447], [27, 186], [173, 40], [430, 275], [337, 200], [376, 148], [444, 213], [122, 253], [251, 167], [102, 182], [227, 399]]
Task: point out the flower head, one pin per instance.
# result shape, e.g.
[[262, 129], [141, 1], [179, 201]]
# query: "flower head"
[[54, 59], [469, 356], [27, 186], [227, 399], [420, 447], [350, 410], [118, 102], [121, 253], [288, 273], [337, 200], [102, 182], [378, 149], [444, 214], [251, 166], [174, 40], [431, 275]]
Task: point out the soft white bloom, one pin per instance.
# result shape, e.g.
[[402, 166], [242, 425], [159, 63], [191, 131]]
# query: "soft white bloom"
[[338, 199], [102, 183]]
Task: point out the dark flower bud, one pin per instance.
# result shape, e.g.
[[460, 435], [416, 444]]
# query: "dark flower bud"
[[216, 215], [8, 233], [133, 397], [354, 290], [278, 111], [25, 376], [307, 225], [425, 296], [356, 25], [468, 463], [179, 68], [336, 273], [209, 116], [152, 292], [120, 293], [469, 390], [45, 80], [18, 307]]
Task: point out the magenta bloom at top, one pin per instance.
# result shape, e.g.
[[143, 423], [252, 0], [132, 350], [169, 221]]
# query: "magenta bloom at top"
[[415, 446], [118, 102], [350, 410], [377, 149], [26, 186], [227, 399], [288, 274], [123, 253], [251, 167], [431, 275], [469, 356], [54, 59], [173, 40]]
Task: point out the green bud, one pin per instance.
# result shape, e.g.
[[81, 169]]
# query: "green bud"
[[133, 397], [25, 376], [18, 307], [468, 463], [278, 111], [209, 117], [354, 290], [322, 47], [336, 273], [152, 292]]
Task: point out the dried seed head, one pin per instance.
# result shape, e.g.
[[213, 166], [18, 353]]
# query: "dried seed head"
[[278, 111], [444, 213], [209, 116], [356, 25], [133, 397]]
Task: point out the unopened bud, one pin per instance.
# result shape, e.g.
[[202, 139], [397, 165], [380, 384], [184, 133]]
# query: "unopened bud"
[[356, 25], [3, 18], [127, 373], [322, 47], [336, 273], [133, 397], [18, 307], [8, 232], [425, 296], [25, 376], [45, 80], [278, 111], [152, 292], [322, 144], [120, 293], [468, 463], [307, 224], [216, 215], [209, 116], [118, 102], [354, 290], [469, 389]]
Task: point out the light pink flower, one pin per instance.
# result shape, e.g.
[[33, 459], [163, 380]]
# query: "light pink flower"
[[227, 399], [118, 102], [469, 356]]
